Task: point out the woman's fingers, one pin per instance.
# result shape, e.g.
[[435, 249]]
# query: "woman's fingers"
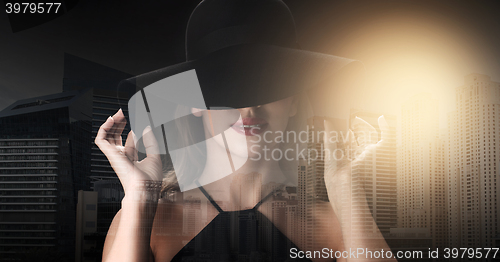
[[114, 153], [354, 149], [150, 143], [102, 137], [337, 145], [384, 128], [328, 138], [130, 149], [123, 158], [365, 133], [115, 134]]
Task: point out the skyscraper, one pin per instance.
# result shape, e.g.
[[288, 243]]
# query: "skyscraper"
[[47, 154], [44, 161], [301, 196], [103, 81], [421, 175], [473, 194]]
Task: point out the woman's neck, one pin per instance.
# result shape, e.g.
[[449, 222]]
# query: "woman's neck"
[[218, 165], [243, 188]]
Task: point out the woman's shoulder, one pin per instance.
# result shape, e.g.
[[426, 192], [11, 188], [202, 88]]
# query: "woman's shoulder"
[[168, 217], [167, 230]]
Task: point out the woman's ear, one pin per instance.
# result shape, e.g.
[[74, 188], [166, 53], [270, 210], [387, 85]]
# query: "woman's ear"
[[294, 106], [196, 112]]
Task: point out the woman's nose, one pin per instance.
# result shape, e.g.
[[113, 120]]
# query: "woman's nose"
[[248, 111]]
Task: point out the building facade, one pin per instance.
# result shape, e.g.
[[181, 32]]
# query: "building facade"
[[47, 154], [44, 161], [106, 101], [421, 180], [473, 194]]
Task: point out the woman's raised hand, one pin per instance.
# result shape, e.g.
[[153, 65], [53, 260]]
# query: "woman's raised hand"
[[347, 151], [134, 175], [347, 200], [129, 235]]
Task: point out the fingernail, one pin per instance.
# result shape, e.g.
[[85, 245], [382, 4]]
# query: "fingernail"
[[109, 118], [383, 121], [133, 136]]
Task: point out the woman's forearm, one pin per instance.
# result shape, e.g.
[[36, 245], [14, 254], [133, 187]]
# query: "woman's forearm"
[[131, 239], [355, 236]]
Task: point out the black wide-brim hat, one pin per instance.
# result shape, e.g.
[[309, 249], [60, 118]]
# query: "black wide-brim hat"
[[241, 53]]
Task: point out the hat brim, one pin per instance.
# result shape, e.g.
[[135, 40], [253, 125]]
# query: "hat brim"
[[246, 75]]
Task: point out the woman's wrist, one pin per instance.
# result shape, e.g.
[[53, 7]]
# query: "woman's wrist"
[[139, 208], [144, 185], [145, 191], [339, 195], [141, 199]]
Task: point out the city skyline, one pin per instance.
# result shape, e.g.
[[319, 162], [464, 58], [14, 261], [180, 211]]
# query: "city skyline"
[[420, 126], [431, 68], [425, 169]]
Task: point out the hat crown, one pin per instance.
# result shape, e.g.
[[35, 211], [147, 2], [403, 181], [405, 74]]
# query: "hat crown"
[[216, 24]]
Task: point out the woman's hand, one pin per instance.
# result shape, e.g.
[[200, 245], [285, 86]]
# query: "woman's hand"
[[346, 151], [134, 175], [347, 199], [129, 235]]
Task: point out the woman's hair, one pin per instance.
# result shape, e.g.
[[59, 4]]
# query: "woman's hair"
[[189, 128]]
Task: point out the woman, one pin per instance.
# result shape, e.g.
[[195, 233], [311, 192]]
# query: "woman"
[[248, 47]]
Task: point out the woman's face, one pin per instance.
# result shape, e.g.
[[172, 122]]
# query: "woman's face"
[[249, 131]]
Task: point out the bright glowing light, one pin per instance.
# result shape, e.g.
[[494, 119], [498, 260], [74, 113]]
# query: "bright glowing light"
[[407, 54]]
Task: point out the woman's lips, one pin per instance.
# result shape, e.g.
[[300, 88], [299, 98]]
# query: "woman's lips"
[[250, 126]]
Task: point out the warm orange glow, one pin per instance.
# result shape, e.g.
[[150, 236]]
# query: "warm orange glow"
[[407, 54]]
